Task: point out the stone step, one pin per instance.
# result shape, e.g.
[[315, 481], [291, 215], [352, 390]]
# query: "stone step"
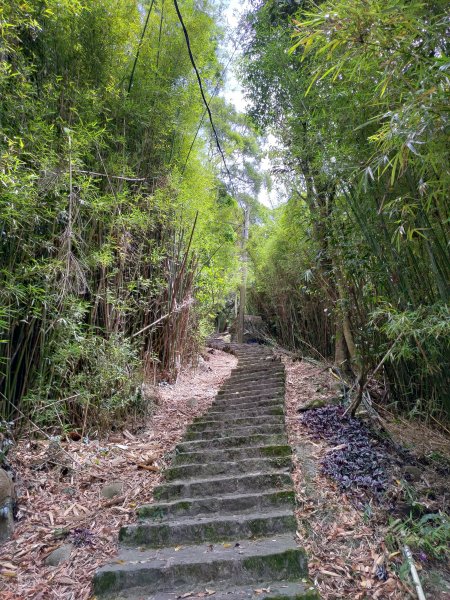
[[217, 528], [233, 406], [259, 439], [229, 480], [239, 383], [273, 408], [251, 363], [165, 570], [224, 504], [245, 395], [250, 391], [268, 590], [233, 431], [233, 454], [214, 486], [222, 402], [255, 377], [214, 469], [232, 421], [251, 387], [266, 367]]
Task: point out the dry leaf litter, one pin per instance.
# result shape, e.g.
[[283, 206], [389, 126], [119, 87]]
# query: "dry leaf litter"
[[80, 509], [345, 541]]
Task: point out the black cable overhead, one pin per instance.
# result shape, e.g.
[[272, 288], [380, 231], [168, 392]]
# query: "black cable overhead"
[[130, 83], [213, 95], [200, 85], [206, 103]]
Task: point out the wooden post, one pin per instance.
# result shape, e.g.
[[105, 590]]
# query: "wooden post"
[[243, 289]]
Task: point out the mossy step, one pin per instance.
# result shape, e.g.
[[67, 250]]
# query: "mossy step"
[[214, 469], [255, 378], [255, 390], [274, 408], [205, 424], [252, 402], [237, 400], [262, 367], [224, 504], [241, 397], [234, 431], [236, 441], [239, 383], [208, 529], [232, 454], [243, 563], [258, 407], [214, 486], [251, 389], [266, 590]]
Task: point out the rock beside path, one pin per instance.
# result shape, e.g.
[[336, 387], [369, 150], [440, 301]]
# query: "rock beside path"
[[59, 555]]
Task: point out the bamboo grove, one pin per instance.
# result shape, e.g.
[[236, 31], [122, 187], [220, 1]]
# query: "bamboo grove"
[[117, 236], [120, 222], [355, 267]]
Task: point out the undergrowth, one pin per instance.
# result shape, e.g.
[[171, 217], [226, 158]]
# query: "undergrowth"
[[428, 537], [96, 381]]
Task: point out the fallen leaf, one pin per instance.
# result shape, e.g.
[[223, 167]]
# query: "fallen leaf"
[[152, 468], [8, 574]]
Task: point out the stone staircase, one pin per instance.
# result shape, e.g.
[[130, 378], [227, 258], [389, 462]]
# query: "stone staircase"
[[223, 524]]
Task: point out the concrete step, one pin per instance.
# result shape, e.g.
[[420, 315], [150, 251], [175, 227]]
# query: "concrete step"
[[232, 421], [215, 486], [224, 505], [214, 469], [236, 408], [234, 431], [233, 454], [268, 590], [251, 391], [167, 570], [275, 407], [250, 382], [212, 528], [259, 439]]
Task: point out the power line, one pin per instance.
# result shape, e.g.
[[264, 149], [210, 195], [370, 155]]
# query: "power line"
[[213, 95], [200, 85], [206, 103]]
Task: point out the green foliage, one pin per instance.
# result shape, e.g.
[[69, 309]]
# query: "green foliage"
[[96, 381], [429, 534], [357, 93], [98, 203]]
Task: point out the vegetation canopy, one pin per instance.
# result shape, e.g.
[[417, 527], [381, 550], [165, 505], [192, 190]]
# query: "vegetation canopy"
[[124, 175]]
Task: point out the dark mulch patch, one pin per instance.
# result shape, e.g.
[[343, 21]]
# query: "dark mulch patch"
[[361, 463]]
